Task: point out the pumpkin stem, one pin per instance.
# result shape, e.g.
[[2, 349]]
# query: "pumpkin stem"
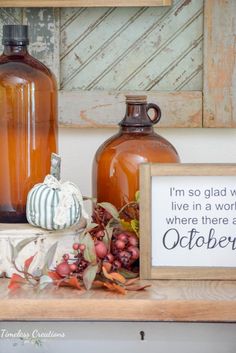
[[55, 166]]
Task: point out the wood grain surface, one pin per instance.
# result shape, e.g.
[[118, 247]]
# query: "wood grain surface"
[[107, 108], [219, 63], [82, 3], [190, 301]]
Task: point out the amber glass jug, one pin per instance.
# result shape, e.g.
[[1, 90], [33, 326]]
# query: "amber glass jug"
[[28, 122], [116, 163]]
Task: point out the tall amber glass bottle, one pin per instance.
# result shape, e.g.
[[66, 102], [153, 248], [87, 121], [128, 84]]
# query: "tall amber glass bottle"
[[28, 122], [116, 163]]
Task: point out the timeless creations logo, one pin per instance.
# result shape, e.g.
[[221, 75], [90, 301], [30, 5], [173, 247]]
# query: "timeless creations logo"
[[35, 334]]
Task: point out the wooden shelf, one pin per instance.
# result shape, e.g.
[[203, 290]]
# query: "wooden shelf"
[[188, 301], [83, 3]]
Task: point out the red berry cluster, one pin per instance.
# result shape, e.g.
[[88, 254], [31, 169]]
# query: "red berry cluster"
[[101, 216], [124, 248], [122, 252], [73, 265]]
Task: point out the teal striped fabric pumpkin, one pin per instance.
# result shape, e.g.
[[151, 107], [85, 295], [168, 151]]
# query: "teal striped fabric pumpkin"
[[54, 205]]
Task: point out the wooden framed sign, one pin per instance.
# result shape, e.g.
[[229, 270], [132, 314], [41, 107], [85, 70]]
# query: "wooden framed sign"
[[188, 221]]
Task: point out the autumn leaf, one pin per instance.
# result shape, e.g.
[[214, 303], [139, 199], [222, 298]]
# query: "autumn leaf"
[[126, 225], [108, 286], [106, 274], [128, 274], [20, 245], [98, 283], [137, 288], [70, 282], [89, 275], [110, 209], [107, 236], [135, 226], [49, 257], [113, 276], [53, 275], [119, 289], [27, 262], [117, 277], [131, 281], [91, 226], [114, 288], [137, 196], [89, 252], [16, 281]]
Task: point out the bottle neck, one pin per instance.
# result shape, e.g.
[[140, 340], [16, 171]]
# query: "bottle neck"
[[136, 119], [19, 50], [135, 111]]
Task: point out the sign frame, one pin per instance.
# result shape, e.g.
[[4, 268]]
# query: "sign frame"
[[147, 270]]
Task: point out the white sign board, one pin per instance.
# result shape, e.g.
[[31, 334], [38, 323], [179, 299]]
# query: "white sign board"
[[188, 221], [194, 221]]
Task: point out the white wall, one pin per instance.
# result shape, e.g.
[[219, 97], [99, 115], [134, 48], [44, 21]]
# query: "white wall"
[[78, 146]]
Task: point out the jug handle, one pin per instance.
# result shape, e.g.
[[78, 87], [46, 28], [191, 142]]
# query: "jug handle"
[[157, 111]]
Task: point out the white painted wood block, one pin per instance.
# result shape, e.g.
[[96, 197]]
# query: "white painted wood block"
[[14, 233]]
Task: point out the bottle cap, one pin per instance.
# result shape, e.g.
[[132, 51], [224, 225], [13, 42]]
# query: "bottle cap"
[[15, 35], [136, 99]]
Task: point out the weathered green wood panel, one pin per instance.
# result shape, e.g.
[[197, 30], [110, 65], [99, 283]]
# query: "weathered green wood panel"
[[44, 32], [109, 51], [220, 63], [105, 108], [44, 36], [135, 48]]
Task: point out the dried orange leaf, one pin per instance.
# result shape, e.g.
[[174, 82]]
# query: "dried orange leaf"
[[106, 274], [71, 282], [118, 277], [98, 284], [115, 287], [119, 289], [137, 288], [108, 285], [131, 281]]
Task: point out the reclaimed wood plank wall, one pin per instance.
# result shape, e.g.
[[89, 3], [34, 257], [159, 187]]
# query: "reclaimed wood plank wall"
[[83, 3], [220, 64], [132, 49], [99, 54]]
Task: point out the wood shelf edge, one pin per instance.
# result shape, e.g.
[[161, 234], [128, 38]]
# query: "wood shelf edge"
[[111, 310], [175, 301]]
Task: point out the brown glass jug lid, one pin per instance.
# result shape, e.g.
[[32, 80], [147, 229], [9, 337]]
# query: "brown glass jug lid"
[[136, 99]]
